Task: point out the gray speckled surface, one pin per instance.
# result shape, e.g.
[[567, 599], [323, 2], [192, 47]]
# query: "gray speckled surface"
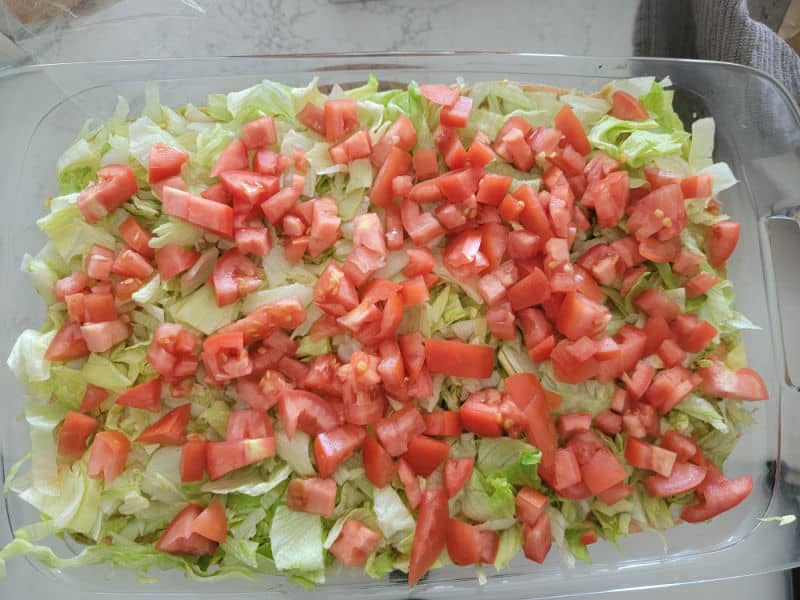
[[159, 28]]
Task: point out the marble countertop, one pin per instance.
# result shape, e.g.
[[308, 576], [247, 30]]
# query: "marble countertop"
[[161, 28]]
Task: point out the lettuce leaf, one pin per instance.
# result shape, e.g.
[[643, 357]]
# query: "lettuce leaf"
[[296, 540]]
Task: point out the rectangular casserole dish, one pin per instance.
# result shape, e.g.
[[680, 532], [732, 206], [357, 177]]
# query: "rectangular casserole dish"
[[757, 134]]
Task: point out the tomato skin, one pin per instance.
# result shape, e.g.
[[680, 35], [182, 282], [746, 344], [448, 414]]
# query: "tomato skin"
[[430, 535], [566, 471], [457, 473], [411, 485], [332, 448], [452, 357], [378, 464], [355, 543], [684, 447], [626, 107], [742, 384], [146, 396], [170, 429], [608, 422], [313, 495], [717, 497], [193, 461], [115, 185], [179, 538], [108, 455], [424, 454], [700, 284], [397, 163], [136, 236], [656, 303], [537, 539], [74, 432], [724, 238]]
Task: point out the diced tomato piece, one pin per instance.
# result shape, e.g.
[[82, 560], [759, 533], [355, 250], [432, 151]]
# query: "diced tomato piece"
[[568, 124], [170, 429], [165, 162], [537, 539], [724, 237], [692, 334], [425, 454], [742, 384], [426, 164], [580, 316], [136, 236], [414, 291], [656, 303], [341, 117], [456, 474], [98, 265], [129, 263], [74, 433], [224, 457], [397, 163], [456, 114], [313, 117], [355, 147], [355, 543], [314, 495], [233, 158], [430, 535], [717, 497], [299, 409], [397, 430], [180, 539], [608, 422], [602, 471], [259, 133], [455, 358], [193, 461], [463, 543], [206, 214], [572, 423], [626, 107], [401, 134], [100, 337], [248, 424], [449, 144], [639, 381], [115, 185], [439, 93], [212, 523], [698, 186], [378, 464], [683, 478], [333, 447], [172, 260], [108, 455], [529, 505], [566, 469], [684, 447], [615, 493], [671, 353]]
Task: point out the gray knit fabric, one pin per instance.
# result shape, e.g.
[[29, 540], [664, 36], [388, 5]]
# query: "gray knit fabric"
[[714, 30]]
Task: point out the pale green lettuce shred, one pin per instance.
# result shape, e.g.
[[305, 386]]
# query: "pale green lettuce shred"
[[296, 540], [100, 371], [699, 408], [265, 98], [175, 231], [252, 301], [250, 481], [144, 133], [26, 359], [590, 396], [70, 234], [200, 311], [510, 543], [295, 451], [701, 149], [394, 519]]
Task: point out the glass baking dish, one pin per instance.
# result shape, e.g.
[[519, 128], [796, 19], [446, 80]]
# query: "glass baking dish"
[[758, 134]]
